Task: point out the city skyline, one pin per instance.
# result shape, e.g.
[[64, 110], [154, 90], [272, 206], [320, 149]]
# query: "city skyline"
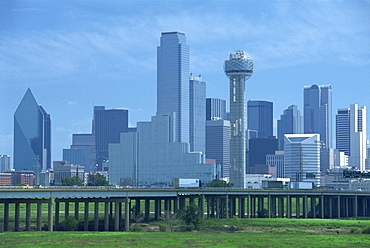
[[109, 57]]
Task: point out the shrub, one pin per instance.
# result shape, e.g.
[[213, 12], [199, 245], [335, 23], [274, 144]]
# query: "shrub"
[[69, 223], [236, 224], [366, 230], [355, 230], [136, 229], [162, 228], [192, 215], [190, 227]]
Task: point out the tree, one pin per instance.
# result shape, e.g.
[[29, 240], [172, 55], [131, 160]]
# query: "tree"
[[69, 181], [97, 180], [192, 215], [219, 183]]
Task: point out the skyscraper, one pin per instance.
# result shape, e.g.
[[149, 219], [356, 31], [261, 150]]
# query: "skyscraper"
[[290, 122], [260, 118], [351, 134], [107, 126], [197, 113], [238, 68], [32, 136], [215, 109], [173, 81], [152, 156], [342, 130], [218, 144], [86, 142], [4, 163], [318, 111], [258, 149], [302, 157]]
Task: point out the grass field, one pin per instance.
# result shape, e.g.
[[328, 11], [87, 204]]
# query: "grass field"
[[213, 233]]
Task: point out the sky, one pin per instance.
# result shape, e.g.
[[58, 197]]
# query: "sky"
[[74, 55]]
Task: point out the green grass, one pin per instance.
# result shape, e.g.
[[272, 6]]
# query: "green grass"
[[213, 233], [286, 238]]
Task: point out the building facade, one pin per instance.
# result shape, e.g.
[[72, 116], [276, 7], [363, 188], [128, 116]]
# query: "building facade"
[[215, 109], [151, 156], [302, 157], [318, 112], [197, 113], [351, 135], [290, 123], [218, 145], [276, 160], [32, 136], [108, 124], [173, 80], [4, 163], [86, 143], [260, 118], [258, 149]]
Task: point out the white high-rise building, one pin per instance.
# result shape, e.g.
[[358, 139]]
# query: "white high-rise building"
[[351, 134], [4, 163], [357, 136], [302, 157]]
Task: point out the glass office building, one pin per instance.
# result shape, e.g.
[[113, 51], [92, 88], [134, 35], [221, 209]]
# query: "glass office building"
[[318, 111], [108, 124], [173, 81], [197, 114], [32, 136], [302, 157], [215, 109], [260, 118]]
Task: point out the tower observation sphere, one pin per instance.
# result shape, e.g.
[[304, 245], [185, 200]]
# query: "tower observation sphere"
[[238, 68], [239, 63]]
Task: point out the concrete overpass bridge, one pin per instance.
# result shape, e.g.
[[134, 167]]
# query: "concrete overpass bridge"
[[110, 209]]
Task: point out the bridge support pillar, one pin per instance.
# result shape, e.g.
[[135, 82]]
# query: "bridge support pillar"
[[116, 215], [305, 207], [50, 214], [147, 209], [39, 216], [96, 216], [86, 216], [6, 216], [77, 208], [322, 207], [249, 206], [57, 206], [241, 209], [17, 217], [157, 209], [201, 205], [289, 206], [66, 209], [28, 216], [298, 207], [127, 215], [338, 207], [106, 216]]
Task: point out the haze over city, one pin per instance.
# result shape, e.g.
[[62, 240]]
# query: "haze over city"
[[75, 54]]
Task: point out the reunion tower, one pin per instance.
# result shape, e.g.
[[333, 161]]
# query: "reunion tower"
[[238, 68]]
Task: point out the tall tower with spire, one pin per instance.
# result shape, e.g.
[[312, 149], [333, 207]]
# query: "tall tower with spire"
[[238, 68]]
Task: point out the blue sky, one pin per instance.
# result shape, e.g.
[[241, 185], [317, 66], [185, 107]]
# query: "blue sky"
[[77, 54]]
